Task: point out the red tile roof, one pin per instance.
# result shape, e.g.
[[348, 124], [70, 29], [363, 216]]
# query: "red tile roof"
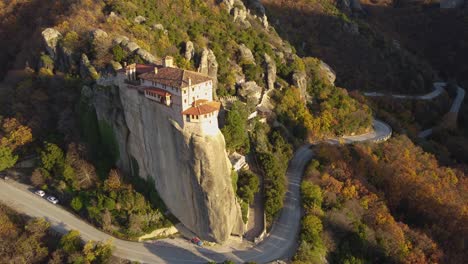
[[202, 107], [157, 91]]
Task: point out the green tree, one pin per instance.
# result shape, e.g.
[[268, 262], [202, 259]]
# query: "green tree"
[[76, 203], [7, 159], [119, 53], [311, 195], [247, 186], [71, 242], [235, 128], [51, 156]]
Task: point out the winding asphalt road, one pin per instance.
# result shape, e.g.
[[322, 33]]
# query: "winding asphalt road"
[[280, 243]]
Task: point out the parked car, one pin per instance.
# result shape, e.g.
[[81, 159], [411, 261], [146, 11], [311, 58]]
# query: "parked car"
[[41, 193], [52, 199], [197, 241]]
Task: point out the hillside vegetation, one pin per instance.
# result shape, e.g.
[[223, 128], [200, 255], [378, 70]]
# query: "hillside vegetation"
[[25, 240], [382, 204], [363, 58]]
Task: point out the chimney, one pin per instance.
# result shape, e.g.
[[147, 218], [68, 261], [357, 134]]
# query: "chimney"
[[155, 70], [189, 82], [168, 62]]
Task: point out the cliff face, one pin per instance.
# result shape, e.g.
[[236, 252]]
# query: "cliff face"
[[191, 172]]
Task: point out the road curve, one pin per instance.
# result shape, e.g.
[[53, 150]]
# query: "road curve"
[[438, 89], [280, 243]]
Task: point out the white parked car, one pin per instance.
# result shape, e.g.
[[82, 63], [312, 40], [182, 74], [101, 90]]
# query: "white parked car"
[[52, 199], [41, 193]]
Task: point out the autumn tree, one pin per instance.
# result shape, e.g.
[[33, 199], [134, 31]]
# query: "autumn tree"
[[12, 136]]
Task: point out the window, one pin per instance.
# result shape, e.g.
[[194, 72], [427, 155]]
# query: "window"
[[193, 89], [185, 100], [185, 91]]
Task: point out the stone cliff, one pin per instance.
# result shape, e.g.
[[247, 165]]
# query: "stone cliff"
[[191, 172]]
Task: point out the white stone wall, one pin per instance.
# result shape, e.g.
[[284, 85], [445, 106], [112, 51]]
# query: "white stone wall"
[[196, 92]]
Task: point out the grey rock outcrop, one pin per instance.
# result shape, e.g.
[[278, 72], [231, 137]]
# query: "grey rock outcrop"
[[209, 66], [115, 65], [245, 54], [299, 79], [51, 37], [120, 40], [191, 172], [131, 46], [189, 50], [99, 35], [270, 66], [87, 70], [329, 73], [264, 20], [146, 55], [240, 14], [250, 91], [229, 4]]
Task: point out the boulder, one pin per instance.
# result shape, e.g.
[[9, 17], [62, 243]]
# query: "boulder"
[[146, 56], [99, 35], [131, 46], [139, 19], [120, 40], [270, 69], [115, 65], [328, 72], [51, 37], [240, 16], [191, 172], [158, 27], [250, 91], [245, 55], [209, 66], [87, 70], [189, 50]]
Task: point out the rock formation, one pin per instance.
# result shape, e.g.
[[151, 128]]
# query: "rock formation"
[[209, 66], [245, 55], [51, 37], [191, 172], [131, 46], [87, 71], [270, 66], [250, 91], [189, 50], [329, 73], [299, 79], [146, 56], [99, 35]]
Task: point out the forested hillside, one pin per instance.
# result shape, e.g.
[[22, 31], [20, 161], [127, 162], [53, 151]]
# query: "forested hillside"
[[25, 240], [383, 204]]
